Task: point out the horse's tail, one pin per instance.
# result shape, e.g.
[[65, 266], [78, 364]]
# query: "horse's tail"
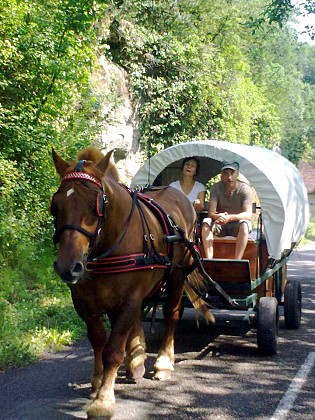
[[200, 281], [198, 303]]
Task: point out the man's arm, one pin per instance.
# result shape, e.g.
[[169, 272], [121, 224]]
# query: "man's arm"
[[246, 214], [212, 211]]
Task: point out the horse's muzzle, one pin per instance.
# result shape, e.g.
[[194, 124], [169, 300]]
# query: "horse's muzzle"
[[73, 275]]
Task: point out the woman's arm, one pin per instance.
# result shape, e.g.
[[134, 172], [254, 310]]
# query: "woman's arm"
[[199, 203]]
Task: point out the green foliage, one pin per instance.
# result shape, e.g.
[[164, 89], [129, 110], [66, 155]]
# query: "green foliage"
[[190, 72], [36, 311], [199, 71], [47, 53], [220, 69], [310, 232]]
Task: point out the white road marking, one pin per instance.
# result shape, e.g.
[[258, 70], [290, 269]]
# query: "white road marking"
[[290, 396]]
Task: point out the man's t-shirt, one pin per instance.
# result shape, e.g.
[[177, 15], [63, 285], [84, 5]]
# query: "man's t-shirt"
[[234, 203]]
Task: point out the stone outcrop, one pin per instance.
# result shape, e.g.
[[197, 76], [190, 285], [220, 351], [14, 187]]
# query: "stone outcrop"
[[120, 119]]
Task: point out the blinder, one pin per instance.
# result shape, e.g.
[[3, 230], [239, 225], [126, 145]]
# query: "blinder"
[[101, 200], [100, 205]]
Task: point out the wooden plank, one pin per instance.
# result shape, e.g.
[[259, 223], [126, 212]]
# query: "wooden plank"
[[225, 248], [228, 271]]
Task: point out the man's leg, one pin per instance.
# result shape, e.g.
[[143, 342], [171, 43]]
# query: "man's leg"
[[207, 239], [241, 241]]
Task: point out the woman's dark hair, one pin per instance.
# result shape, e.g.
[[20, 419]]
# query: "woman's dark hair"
[[192, 158]]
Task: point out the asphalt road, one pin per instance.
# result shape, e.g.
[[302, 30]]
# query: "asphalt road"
[[216, 377]]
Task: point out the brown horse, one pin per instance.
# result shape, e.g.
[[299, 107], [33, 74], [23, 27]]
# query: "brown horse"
[[99, 222]]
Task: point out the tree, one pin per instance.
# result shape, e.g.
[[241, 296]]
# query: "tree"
[[47, 52]]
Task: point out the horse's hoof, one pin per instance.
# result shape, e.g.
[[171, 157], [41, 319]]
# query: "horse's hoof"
[[163, 369], [135, 375], [101, 410], [162, 375]]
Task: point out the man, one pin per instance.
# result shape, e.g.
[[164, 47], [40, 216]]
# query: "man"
[[230, 211]]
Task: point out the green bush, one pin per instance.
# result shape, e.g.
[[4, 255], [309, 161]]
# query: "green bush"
[[310, 232], [36, 310]]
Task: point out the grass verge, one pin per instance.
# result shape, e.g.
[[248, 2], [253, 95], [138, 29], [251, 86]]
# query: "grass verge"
[[310, 232], [36, 310]]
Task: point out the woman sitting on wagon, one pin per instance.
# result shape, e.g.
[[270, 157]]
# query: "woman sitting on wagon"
[[230, 211], [195, 191]]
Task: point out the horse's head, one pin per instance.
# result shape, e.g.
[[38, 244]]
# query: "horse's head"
[[78, 208]]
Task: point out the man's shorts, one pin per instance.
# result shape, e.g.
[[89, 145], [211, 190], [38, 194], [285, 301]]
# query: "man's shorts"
[[230, 229]]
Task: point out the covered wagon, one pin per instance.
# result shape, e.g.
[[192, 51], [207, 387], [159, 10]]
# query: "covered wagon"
[[252, 292]]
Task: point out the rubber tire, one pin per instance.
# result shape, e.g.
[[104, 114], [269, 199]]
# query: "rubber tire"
[[277, 285], [267, 326], [292, 304]]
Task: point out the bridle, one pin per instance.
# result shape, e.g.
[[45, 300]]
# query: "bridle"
[[100, 206]]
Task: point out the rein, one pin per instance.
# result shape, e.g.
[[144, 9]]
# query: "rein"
[[111, 250]]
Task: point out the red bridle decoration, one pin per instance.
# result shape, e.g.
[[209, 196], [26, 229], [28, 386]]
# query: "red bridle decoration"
[[82, 175]]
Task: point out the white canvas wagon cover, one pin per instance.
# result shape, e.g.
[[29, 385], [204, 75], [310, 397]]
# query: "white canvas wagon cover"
[[278, 183]]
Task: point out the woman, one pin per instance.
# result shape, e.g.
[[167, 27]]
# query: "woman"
[[195, 191]]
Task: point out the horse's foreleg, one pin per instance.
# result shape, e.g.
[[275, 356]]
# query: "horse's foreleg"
[[113, 356], [97, 337], [135, 354], [164, 365], [84, 304]]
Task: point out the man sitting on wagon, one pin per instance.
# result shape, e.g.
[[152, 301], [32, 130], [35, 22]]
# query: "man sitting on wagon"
[[230, 211]]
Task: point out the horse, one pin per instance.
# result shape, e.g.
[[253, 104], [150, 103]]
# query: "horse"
[[113, 254]]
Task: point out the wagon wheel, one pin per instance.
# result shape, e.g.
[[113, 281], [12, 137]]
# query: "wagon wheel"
[[267, 326], [292, 304]]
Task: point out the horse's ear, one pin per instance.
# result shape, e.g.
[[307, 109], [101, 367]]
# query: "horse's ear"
[[102, 165], [60, 164]]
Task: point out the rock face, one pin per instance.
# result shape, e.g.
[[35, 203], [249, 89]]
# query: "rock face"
[[120, 119]]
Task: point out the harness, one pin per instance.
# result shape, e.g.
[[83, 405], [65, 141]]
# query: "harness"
[[151, 258], [100, 205], [105, 263]]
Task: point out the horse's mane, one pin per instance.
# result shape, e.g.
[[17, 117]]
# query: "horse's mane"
[[93, 155], [90, 153]]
